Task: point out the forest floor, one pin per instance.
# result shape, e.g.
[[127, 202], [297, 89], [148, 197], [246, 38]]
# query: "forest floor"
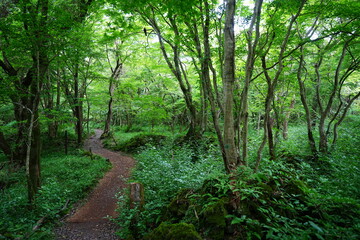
[[90, 220]]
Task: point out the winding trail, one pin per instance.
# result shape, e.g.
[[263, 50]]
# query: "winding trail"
[[90, 222]]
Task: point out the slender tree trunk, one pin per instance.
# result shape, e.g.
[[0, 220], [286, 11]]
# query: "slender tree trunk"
[[78, 106], [178, 71], [272, 82], [206, 65], [33, 156], [323, 144], [112, 84], [229, 80], [49, 107], [250, 61], [286, 119], [305, 105], [336, 125]]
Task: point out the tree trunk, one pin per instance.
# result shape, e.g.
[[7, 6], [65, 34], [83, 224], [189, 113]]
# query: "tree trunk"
[[342, 117], [273, 81], [305, 105], [229, 80], [250, 61], [112, 83], [286, 119], [206, 66], [33, 156], [78, 107], [178, 71], [48, 99]]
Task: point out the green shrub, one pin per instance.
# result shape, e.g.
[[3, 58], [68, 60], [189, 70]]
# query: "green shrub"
[[163, 171], [134, 144], [293, 197]]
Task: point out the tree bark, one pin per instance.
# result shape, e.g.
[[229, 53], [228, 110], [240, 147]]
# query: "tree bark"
[[304, 102], [286, 119], [229, 80], [206, 66], [78, 106], [116, 72], [249, 68]]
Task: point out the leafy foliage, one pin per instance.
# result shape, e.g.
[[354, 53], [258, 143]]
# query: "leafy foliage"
[[292, 197], [66, 179], [164, 171]]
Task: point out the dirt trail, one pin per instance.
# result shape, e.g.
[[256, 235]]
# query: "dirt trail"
[[89, 221]]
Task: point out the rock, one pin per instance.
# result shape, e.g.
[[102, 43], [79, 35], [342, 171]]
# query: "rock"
[[213, 219], [136, 195], [178, 231], [179, 205]]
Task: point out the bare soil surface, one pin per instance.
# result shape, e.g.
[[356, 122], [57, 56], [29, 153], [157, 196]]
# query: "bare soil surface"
[[90, 221]]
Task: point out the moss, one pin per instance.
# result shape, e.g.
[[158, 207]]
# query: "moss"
[[210, 187], [213, 219], [179, 205], [266, 190], [178, 231]]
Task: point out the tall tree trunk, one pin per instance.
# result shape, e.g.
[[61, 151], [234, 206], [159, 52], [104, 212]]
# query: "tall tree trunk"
[[229, 80], [250, 61], [33, 155], [112, 84], [48, 100], [304, 102], [272, 82], [324, 112], [206, 66], [285, 123], [78, 106]]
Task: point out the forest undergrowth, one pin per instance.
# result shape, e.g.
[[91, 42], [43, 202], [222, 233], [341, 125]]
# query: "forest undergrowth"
[[294, 197], [66, 179]]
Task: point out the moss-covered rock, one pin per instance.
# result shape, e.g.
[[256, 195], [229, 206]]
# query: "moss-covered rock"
[[213, 219], [297, 188], [179, 205], [178, 231]]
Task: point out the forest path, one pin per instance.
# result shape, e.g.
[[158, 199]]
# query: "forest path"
[[89, 221]]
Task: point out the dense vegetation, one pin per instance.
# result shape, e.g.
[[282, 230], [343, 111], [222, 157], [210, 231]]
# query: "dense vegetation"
[[243, 116], [66, 179], [292, 198]]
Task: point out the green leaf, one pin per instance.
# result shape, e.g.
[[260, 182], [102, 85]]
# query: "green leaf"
[[316, 226]]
